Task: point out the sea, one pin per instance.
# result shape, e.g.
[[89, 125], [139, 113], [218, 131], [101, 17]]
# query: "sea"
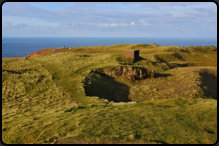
[[21, 47]]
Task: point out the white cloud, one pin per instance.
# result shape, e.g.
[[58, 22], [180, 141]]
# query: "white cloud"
[[113, 24], [116, 24], [108, 24], [178, 14], [27, 20], [144, 22], [132, 23]]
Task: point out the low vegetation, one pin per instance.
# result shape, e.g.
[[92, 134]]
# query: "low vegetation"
[[62, 98]]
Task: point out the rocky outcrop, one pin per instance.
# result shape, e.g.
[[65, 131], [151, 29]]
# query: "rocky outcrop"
[[41, 52], [130, 72]]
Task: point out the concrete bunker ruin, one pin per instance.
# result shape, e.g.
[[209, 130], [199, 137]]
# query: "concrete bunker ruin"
[[133, 54]]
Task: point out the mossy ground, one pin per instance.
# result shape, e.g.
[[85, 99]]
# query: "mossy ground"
[[44, 98]]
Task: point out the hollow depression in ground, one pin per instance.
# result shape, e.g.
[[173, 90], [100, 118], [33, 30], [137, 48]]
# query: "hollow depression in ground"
[[102, 83]]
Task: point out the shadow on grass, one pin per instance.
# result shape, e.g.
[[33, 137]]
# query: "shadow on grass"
[[159, 142], [16, 72], [161, 60], [106, 87], [172, 65], [157, 75], [140, 59], [209, 84]]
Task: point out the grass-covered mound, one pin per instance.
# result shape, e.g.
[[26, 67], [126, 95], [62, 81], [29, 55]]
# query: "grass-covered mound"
[[82, 95]]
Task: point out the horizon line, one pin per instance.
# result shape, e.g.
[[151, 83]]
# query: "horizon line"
[[106, 37]]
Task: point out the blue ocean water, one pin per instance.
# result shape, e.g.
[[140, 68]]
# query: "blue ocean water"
[[20, 47]]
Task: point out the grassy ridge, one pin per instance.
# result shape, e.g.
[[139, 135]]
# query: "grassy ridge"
[[44, 99]]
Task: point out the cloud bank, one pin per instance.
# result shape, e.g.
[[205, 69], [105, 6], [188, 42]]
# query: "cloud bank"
[[109, 19]]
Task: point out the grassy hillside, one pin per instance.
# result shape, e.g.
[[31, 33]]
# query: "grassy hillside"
[[60, 98]]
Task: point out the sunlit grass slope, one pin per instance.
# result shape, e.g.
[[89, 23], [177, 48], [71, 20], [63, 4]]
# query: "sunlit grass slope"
[[45, 98]]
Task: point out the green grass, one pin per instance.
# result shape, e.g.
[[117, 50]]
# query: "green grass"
[[54, 98]]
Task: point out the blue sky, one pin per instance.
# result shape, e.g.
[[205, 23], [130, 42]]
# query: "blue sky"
[[109, 19]]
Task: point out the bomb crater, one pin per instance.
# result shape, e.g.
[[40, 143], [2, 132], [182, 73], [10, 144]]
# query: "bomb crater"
[[102, 82]]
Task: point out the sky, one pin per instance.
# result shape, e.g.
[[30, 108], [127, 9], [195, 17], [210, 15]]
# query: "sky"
[[109, 19]]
